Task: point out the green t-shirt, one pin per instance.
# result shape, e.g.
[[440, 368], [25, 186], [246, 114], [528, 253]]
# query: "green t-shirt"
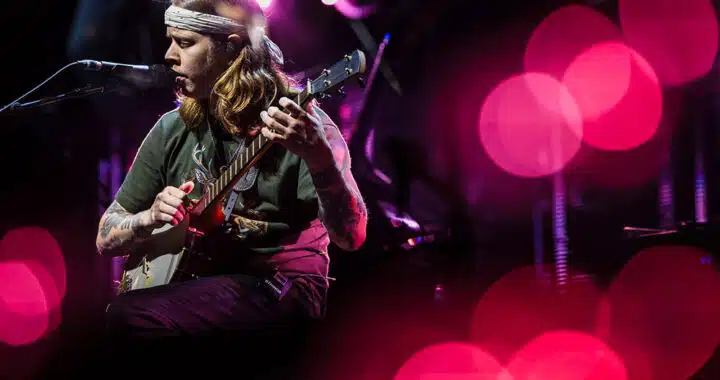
[[277, 215]]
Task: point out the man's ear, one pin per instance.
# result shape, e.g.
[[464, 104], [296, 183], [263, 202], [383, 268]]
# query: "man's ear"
[[233, 46]]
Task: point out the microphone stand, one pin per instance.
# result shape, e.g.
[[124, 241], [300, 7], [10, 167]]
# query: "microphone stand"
[[15, 102], [76, 93]]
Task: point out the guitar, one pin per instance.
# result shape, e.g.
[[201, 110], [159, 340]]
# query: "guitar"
[[168, 253]]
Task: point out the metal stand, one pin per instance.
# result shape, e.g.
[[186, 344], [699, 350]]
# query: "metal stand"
[[76, 93]]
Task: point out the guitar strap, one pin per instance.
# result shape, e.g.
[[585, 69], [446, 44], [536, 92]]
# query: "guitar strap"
[[230, 204]]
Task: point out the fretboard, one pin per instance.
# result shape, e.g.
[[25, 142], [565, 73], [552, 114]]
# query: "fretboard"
[[239, 165]]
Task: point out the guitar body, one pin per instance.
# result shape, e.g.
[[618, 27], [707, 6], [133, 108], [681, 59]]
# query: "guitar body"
[[170, 254], [155, 261]]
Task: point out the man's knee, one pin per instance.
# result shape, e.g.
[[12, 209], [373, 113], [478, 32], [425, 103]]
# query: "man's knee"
[[125, 319]]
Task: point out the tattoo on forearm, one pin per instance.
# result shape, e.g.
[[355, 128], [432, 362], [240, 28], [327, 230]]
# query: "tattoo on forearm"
[[115, 214], [125, 224], [327, 178], [342, 209]]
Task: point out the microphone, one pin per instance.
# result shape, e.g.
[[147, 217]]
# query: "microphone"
[[140, 75], [92, 65]]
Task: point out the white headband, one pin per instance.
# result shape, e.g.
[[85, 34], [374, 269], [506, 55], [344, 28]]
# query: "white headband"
[[206, 23]]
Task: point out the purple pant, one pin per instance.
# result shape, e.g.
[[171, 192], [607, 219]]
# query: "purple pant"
[[182, 320]]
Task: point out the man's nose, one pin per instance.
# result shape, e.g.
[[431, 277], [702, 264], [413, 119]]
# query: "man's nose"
[[171, 55]]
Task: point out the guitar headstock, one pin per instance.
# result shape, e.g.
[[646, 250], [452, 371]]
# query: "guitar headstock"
[[350, 66]]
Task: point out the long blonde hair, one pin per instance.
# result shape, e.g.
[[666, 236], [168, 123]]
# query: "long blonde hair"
[[251, 84]]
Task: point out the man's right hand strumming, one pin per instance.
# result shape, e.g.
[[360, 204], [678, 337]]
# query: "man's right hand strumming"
[[120, 230], [169, 206]]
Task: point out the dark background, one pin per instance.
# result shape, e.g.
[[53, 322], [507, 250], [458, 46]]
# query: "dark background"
[[51, 156]]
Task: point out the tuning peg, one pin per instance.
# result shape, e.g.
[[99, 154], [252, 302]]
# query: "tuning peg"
[[341, 91], [323, 96], [361, 81]]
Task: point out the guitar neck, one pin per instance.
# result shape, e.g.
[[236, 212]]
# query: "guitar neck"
[[240, 165]]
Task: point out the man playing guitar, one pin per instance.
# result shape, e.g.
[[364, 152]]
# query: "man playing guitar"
[[269, 248]]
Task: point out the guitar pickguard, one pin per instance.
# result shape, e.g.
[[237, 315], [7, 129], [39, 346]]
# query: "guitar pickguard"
[[155, 261]]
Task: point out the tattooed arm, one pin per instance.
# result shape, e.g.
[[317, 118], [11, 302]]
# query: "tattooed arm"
[[342, 209], [313, 136], [120, 230]]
